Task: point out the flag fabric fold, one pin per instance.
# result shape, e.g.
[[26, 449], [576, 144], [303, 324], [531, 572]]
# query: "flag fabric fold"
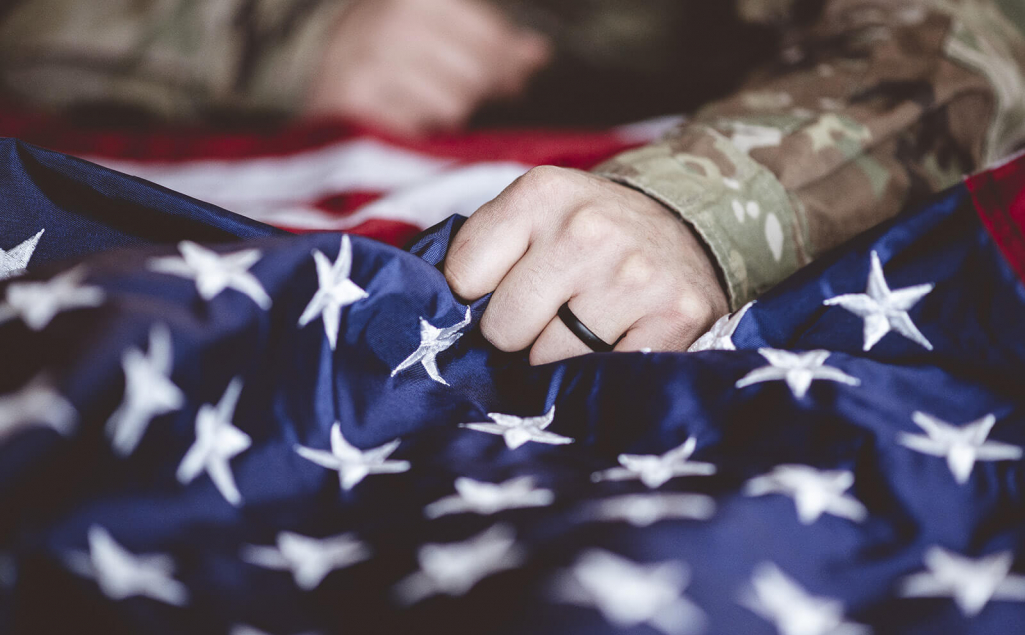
[[328, 176], [209, 427]]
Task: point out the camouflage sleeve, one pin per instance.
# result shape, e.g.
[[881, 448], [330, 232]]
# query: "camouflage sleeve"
[[178, 58], [875, 105]]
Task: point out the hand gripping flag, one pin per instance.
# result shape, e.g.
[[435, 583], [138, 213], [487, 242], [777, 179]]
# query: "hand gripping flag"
[[208, 427]]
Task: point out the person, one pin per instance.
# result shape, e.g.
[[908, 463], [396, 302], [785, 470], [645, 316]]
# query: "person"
[[408, 67], [870, 106], [874, 106]]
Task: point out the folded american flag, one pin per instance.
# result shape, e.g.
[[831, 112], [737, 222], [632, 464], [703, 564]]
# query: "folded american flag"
[[207, 426]]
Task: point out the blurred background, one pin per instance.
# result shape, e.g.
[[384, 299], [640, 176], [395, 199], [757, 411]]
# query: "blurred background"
[[405, 67]]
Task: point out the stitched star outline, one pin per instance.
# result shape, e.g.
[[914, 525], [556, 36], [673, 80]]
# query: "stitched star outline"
[[352, 464], [798, 370], [335, 291], [656, 470], [884, 310], [433, 341], [962, 446], [517, 431], [14, 261], [213, 272]]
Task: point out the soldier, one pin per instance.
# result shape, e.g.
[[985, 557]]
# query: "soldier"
[[869, 106], [873, 105], [406, 66]]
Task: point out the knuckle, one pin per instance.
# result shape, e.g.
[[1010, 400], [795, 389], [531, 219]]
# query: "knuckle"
[[637, 270], [589, 227], [543, 176], [693, 313]]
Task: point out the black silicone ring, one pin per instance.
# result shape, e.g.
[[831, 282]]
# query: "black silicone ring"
[[584, 334]]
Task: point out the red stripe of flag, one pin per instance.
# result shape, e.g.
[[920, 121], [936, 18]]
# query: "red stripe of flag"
[[999, 196]]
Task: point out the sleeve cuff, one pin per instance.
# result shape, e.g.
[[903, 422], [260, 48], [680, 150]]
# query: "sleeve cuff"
[[737, 206]]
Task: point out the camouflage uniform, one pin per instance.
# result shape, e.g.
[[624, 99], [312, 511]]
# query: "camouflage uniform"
[[187, 59], [873, 104], [177, 58]]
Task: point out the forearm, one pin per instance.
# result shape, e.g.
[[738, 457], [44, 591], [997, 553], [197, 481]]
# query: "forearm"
[[881, 103]]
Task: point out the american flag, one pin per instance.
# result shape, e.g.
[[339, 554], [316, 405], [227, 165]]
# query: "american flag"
[[208, 425], [327, 176]]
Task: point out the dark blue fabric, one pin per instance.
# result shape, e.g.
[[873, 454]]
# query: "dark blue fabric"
[[54, 488], [86, 208]]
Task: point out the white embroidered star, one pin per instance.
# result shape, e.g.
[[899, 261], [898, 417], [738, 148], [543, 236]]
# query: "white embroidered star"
[[799, 370], [149, 391], [961, 446], [36, 404], [213, 272], [336, 291], [629, 594], [654, 470], [884, 310], [433, 341], [309, 559], [782, 601], [520, 430], [489, 498], [37, 303], [217, 442], [122, 575], [14, 260], [455, 568], [972, 583], [815, 492], [644, 510], [354, 465], [720, 337]]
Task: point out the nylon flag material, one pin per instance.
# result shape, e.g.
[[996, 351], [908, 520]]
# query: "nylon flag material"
[[300, 434]]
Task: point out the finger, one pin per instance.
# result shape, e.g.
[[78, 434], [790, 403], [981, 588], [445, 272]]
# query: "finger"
[[525, 301], [531, 47], [383, 111], [381, 100], [606, 311], [489, 244], [424, 98], [556, 343], [663, 333], [470, 21], [511, 54], [520, 61], [461, 71]]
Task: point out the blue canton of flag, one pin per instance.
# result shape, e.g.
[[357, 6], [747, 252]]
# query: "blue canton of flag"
[[209, 427]]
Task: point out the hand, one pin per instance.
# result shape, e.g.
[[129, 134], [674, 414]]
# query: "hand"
[[411, 67], [627, 265]]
